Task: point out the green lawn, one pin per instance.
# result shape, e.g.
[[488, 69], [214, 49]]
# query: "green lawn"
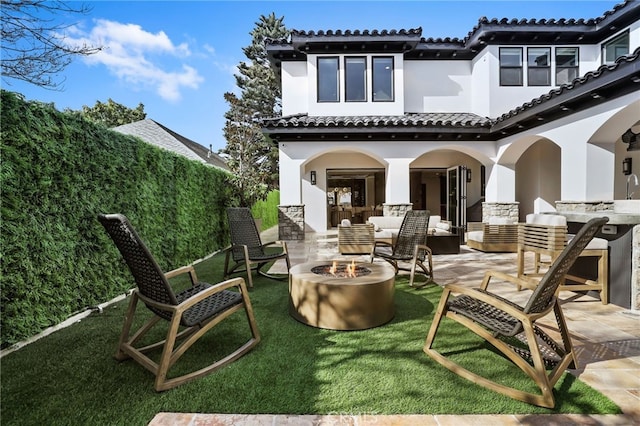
[[70, 376]]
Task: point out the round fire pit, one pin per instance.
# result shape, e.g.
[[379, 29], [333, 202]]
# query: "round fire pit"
[[334, 300]]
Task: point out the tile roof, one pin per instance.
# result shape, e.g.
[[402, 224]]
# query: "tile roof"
[[486, 31], [350, 33], [609, 80], [437, 119], [591, 76], [156, 134]]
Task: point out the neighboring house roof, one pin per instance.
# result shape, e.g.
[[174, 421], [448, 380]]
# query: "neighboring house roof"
[[156, 134], [607, 82]]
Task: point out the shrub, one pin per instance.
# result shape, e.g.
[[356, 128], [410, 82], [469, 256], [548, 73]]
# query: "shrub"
[[58, 172]]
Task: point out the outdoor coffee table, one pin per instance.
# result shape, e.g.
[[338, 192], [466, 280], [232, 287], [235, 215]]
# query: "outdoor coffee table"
[[445, 244], [338, 302]]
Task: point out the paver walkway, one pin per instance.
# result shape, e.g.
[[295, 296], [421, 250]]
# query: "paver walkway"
[[606, 338]]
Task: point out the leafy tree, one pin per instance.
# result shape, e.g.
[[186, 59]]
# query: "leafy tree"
[[33, 41], [252, 156], [113, 114]]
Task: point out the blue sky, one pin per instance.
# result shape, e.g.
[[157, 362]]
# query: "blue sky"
[[178, 57]]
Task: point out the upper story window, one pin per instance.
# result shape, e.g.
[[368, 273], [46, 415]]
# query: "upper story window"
[[355, 69], [328, 81], [614, 48], [382, 78], [510, 66], [567, 61], [539, 66]]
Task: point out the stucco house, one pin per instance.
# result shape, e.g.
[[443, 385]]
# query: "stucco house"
[[509, 120]]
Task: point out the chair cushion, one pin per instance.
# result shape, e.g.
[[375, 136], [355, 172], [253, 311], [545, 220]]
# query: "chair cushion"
[[386, 222], [434, 221], [443, 226], [475, 236], [499, 220], [546, 219], [594, 244], [345, 222]]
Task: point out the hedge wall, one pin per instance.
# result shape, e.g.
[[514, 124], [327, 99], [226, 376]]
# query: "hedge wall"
[[58, 172]]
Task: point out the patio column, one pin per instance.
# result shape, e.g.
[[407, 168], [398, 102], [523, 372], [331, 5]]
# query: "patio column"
[[291, 209], [290, 179], [397, 188], [501, 183]]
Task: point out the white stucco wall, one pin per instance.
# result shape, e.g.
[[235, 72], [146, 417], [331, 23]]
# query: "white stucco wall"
[[437, 86], [295, 88]]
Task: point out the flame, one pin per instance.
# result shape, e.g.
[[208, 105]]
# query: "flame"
[[333, 268], [351, 269]]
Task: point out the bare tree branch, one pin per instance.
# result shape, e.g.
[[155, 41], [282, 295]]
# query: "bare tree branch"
[[34, 46]]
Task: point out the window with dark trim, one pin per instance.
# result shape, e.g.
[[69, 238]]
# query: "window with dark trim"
[[328, 80], [567, 62], [382, 77], [614, 48], [510, 66], [355, 85], [539, 66]]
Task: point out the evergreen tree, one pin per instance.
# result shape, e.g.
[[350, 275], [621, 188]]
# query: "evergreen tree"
[[113, 114], [251, 156]]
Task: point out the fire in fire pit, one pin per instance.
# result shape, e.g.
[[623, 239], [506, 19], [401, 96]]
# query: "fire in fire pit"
[[341, 271]]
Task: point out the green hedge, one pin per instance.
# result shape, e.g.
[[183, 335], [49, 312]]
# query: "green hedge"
[[267, 210], [58, 172]]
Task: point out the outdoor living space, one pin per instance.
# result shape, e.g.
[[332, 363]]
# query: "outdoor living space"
[[606, 337]]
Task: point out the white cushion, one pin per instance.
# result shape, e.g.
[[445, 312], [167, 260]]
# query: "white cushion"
[[345, 222], [499, 220], [594, 244], [475, 236], [433, 221], [546, 219], [443, 226], [386, 234], [386, 222]]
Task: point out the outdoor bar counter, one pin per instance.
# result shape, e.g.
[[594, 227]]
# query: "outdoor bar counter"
[[623, 235]]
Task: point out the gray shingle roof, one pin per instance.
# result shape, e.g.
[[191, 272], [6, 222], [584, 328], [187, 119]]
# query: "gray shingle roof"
[[156, 134]]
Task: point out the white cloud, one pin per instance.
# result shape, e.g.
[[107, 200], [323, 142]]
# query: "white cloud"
[[139, 57]]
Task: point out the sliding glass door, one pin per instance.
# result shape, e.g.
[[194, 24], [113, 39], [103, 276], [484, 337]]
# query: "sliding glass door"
[[457, 196]]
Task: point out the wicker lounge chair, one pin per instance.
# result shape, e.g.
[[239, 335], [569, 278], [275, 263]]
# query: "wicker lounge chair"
[[512, 328], [247, 249], [196, 309], [410, 246]]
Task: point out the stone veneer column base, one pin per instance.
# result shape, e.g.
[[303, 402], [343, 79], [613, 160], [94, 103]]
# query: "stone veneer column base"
[[291, 222], [399, 210], [584, 206], [501, 209]]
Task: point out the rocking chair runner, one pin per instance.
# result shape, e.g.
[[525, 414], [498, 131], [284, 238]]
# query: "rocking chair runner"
[[196, 309], [246, 247], [410, 246], [499, 321]]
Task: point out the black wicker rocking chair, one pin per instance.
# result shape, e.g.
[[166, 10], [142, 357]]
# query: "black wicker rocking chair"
[[247, 249], [196, 309], [410, 247], [512, 328]]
